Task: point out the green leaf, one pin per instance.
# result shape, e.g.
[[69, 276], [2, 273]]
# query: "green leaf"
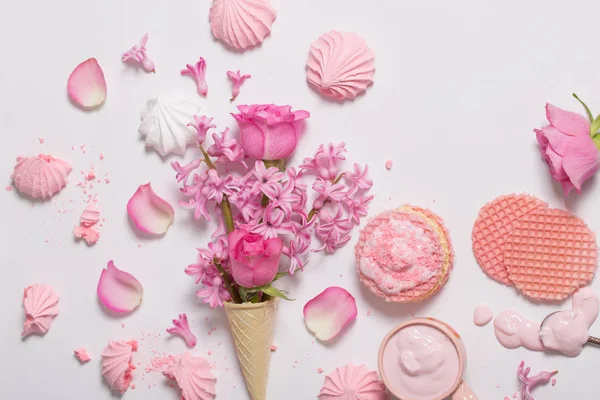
[[595, 126], [280, 275], [243, 294], [587, 110], [274, 292]]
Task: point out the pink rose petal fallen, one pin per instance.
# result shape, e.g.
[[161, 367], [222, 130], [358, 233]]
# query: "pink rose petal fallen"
[[328, 313], [149, 212], [118, 290], [181, 327], [86, 85]]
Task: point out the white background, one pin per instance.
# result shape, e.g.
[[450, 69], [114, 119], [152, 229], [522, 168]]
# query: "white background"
[[459, 88]]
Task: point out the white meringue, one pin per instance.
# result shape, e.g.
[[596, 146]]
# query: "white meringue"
[[165, 122]]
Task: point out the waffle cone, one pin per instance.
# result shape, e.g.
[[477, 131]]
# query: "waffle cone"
[[252, 326]]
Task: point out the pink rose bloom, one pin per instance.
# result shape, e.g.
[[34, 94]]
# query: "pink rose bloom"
[[567, 147], [254, 260], [269, 132]]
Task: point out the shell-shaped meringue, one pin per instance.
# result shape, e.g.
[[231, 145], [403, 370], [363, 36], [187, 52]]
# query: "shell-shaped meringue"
[[117, 367], [40, 176], [194, 377], [241, 23], [41, 306], [164, 123], [352, 382], [340, 65]]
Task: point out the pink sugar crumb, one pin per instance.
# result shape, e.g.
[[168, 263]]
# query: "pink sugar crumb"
[[82, 355], [106, 180], [101, 156], [160, 363], [273, 348], [91, 175], [388, 164], [320, 370], [8, 188], [42, 140], [368, 313], [133, 386], [553, 381]]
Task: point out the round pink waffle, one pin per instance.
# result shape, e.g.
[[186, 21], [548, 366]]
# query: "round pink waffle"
[[493, 226], [550, 253], [404, 255]]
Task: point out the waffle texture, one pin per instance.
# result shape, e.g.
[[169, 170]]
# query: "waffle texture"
[[550, 253], [441, 258], [492, 228], [252, 326]]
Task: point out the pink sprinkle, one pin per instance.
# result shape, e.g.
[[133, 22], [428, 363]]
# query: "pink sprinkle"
[[42, 140], [149, 386], [72, 147], [122, 324], [273, 348], [388, 164], [101, 156], [320, 370], [368, 313], [209, 353], [106, 180], [133, 386], [553, 381], [82, 147], [90, 176], [514, 395], [8, 188]]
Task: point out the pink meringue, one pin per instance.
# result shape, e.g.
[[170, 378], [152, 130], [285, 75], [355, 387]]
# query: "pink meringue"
[[119, 291], [149, 212], [117, 368], [86, 85], [340, 65], [41, 307], [241, 23], [194, 377], [40, 176], [139, 53], [181, 327], [86, 229], [82, 355], [328, 313], [352, 382]]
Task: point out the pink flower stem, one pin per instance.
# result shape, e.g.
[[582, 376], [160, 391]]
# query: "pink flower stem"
[[227, 282], [314, 211], [228, 218]]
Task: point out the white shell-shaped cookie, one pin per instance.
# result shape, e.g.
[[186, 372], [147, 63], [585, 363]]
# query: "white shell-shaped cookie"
[[241, 23], [340, 65], [164, 123]]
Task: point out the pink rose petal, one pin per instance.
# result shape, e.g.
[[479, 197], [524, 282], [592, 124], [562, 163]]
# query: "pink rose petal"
[[118, 290], [149, 212], [86, 85], [328, 313]]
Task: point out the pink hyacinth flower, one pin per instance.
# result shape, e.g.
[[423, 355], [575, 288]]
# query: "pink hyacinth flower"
[[139, 53], [328, 313], [237, 80], [198, 73], [215, 293], [183, 172], [530, 382], [181, 327], [202, 124]]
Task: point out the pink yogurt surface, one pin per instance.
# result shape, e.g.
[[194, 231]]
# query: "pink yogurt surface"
[[421, 363]]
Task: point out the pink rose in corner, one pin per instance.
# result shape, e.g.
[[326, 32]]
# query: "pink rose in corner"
[[269, 132], [254, 260], [568, 148]]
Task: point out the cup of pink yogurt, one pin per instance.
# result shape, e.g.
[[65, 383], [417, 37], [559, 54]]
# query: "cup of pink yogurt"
[[424, 359]]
